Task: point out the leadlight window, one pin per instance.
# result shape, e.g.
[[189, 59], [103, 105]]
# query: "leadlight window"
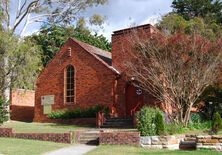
[[69, 84]]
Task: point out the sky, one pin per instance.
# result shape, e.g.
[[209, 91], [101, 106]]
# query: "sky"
[[121, 14]]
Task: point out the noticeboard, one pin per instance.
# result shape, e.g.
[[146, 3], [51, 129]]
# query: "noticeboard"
[[47, 100]]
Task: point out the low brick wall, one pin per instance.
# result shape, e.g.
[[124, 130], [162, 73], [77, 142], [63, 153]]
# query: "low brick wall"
[[6, 132], [119, 138], [22, 113], [209, 142], [162, 142], [52, 137]]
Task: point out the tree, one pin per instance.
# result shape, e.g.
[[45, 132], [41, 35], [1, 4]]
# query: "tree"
[[175, 69], [42, 11], [172, 23], [52, 38], [23, 63], [3, 111], [28, 12], [159, 123], [211, 9]]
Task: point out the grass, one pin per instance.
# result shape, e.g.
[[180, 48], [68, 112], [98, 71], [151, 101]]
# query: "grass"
[[23, 127], [10, 146], [130, 150]]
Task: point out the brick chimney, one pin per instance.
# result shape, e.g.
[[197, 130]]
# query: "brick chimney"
[[123, 43]]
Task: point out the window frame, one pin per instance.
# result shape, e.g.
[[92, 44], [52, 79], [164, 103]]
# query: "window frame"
[[71, 88]]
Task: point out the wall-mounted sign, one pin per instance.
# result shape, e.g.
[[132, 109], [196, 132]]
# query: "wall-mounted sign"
[[47, 109], [47, 100]]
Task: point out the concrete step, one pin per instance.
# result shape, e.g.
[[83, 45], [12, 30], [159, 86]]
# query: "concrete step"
[[90, 138], [89, 142], [90, 135]]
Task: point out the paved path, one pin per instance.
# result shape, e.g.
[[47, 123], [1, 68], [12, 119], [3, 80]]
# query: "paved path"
[[73, 150]]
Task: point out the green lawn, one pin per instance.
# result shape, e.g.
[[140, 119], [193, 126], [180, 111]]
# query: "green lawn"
[[10, 146], [41, 127], [130, 150]]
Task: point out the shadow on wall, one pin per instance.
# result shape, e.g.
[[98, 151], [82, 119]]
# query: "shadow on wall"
[[22, 105]]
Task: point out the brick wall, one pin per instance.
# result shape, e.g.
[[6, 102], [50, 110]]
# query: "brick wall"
[[93, 81], [122, 49], [119, 138], [22, 105], [123, 42], [21, 97], [6, 132], [21, 113], [52, 137]]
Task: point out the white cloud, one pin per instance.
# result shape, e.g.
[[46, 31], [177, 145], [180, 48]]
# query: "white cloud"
[[121, 14], [151, 20]]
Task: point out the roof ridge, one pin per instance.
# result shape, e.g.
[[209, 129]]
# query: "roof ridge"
[[102, 52]]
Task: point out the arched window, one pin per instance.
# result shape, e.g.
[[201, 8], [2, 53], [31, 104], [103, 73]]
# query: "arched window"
[[69, 84]]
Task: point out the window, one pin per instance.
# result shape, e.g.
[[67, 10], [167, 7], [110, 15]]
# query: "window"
[[69, 84]]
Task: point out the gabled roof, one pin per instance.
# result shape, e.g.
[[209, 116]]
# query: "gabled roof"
[[102, 56]]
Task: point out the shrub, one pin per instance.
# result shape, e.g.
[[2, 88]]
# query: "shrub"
[[196, 118], [146, 121], [212, 98], [3, 111], [159, 123], [216, 122], [76, 113]]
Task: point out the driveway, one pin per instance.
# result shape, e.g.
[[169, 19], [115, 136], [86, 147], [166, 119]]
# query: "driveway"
[[79, 149]]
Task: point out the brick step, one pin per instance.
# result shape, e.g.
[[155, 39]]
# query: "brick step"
[[118, 123], [119, 119], [187, 145]]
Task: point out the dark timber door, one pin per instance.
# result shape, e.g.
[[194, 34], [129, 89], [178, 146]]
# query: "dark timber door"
[[134, 99]]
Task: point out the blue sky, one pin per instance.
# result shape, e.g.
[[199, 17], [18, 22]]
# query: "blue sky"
[[125, 13]]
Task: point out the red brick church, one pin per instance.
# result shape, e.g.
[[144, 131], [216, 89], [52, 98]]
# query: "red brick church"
[[81, 75]]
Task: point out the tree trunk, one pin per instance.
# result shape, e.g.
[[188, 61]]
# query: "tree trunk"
[[187, 115], [7, 91]]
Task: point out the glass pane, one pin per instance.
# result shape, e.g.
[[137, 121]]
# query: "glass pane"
[[72, 99], [70, 73], [69, 93], [68, 99]]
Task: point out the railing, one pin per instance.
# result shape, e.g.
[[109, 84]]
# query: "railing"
[[132, 112], [100, 119]]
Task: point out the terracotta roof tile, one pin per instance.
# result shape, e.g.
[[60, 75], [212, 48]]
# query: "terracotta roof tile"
[[103, 56]]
